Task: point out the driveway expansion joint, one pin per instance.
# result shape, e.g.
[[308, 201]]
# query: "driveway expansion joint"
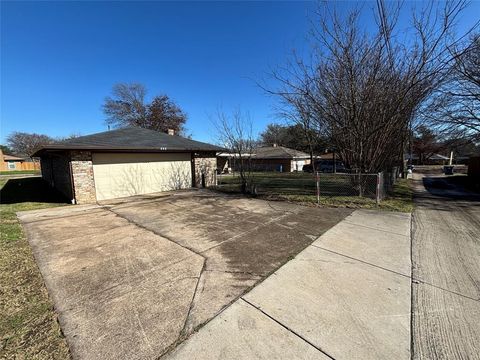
[[184, 331], [235, 272], [374, 228], [154, 232], [363, 262], [272, 221], [288, 329]]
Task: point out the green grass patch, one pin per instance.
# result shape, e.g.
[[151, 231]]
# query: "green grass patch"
[[20, 172], [400, 198], [301, 188], [28, 324]]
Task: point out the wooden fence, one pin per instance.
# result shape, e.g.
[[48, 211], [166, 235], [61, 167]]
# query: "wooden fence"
[[19, 165]]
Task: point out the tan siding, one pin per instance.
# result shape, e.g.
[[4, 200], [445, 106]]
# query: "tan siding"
[[125, 174]]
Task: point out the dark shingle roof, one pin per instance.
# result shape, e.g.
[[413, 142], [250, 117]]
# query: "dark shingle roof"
[[278, 152], [130, 139]]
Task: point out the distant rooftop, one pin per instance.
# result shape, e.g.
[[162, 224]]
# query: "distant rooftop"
[[12, 158], [278, 152], [432, 157]]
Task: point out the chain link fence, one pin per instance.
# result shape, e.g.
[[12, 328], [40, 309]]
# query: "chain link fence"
[[318, 185], [386, 181], [373, 186], [362, 185]]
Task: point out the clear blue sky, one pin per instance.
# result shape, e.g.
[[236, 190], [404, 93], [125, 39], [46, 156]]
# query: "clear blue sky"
[[60, 59]]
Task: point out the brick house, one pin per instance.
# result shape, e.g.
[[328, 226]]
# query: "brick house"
[[126, 162], [268, 158]]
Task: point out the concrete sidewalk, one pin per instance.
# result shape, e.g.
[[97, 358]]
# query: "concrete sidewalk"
[[346, 296]]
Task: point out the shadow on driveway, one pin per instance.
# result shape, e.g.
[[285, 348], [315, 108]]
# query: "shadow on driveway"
[[446, 193]]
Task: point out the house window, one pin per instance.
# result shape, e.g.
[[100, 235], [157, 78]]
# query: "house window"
[[11, 165]]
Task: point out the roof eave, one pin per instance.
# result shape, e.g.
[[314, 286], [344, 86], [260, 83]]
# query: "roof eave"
[[44, 149]]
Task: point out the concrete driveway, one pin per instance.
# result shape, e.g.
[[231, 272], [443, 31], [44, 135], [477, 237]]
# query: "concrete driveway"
[[131, 279], [346, 296], [445, 260]]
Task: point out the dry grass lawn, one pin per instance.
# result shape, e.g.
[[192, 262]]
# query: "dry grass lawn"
[[28, 325]]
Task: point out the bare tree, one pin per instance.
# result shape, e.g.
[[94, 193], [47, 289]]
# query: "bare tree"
[[128, 107], [305, 116], [455, 107], [25, 144], [235, 133], [363, 89], [295, 105]]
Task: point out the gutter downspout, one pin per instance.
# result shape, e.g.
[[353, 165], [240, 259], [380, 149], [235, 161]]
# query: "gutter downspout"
[[72, 185]]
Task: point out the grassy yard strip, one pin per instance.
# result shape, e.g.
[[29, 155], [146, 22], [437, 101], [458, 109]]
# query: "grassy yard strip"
[[300, 188], [28, 325], [401, 197], [20, 172]]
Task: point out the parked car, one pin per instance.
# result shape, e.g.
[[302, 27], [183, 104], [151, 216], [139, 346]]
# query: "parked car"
[[326, 166]]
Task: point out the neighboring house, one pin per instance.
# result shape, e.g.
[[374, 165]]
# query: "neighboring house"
[[268, 158], [437, 159], [328, 156], [434, 159], [227, 161], [16, 163], [126, 162], [279, 158]]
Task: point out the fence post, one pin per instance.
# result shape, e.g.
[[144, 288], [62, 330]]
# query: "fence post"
[[317, 180], [360, 185], [378, 189]]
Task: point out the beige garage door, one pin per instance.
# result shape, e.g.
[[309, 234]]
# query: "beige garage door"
[[126, 174]]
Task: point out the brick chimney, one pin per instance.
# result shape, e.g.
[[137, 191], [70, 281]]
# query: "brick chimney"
[[171, 132]]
